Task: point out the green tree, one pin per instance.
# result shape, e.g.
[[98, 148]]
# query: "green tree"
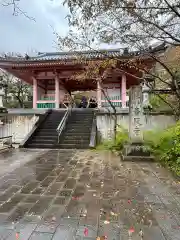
[[15, 87], [132, 24]]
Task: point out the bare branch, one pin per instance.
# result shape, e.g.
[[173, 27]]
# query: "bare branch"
[[173, 8], [16, 9]]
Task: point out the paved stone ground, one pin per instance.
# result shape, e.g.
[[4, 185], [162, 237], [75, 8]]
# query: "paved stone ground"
[[66, 195]]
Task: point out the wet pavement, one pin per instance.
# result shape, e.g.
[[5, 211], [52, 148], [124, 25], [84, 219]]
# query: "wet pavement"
[[14, 158], [82, 195]]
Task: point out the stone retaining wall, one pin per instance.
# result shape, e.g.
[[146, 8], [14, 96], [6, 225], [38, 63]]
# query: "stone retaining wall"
[[17, 126], [153, 121]]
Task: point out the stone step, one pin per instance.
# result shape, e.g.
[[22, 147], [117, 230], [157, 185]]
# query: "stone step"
[[76, 137], [73, 146], [82, 118], [51, 137], [81, 115], [46, 133], [82, 126], [80, 121], [73, 116], [75, 142], [51, 123], [40, 145], [54, 119], [47, 130], [77, 131], [49, 127], [77, 128], [40, 140], [77, 113]]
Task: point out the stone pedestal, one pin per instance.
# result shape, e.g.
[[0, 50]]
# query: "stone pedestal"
[[135, 149], [136, 152]]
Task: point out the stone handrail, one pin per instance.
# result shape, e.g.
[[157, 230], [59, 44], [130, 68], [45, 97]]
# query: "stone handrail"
[[63, 122]]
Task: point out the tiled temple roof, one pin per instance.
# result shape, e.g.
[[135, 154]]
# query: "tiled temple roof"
[[85, 55]]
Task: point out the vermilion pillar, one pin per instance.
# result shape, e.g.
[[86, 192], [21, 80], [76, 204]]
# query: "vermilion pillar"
[[34, 92], [57, 96], [98, 94], [123, 90]]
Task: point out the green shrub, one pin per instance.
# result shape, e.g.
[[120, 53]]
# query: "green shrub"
[[121, 139], [157, 102], [165, 145]]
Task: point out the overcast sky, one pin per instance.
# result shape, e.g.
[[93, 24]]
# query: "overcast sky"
[[19, 34]]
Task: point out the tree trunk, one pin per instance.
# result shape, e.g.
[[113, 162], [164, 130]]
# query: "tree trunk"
[[21, 103], [5, 95], [115, 126]]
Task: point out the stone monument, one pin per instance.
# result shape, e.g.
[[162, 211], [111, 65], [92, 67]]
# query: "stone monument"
[[135, 148], [145, 90], [136, 114]]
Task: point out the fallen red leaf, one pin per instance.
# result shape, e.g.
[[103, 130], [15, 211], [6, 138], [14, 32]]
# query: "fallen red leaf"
[[17, 236], [86, 232], [75, 198], [131, 230]]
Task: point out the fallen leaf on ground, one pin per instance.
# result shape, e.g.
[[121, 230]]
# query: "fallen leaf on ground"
[[86, 232], [141, 233], [106, 222], [116, 193], [101, 238], [131, 230], [113, 214], [142, 221], [75, 198], [150, 223], [17, 236]]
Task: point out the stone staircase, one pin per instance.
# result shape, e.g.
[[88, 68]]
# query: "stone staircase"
[[77, 132], [46, 135]]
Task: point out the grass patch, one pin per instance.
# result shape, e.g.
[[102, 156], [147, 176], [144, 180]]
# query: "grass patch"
[[165, 145], [121, 139]]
